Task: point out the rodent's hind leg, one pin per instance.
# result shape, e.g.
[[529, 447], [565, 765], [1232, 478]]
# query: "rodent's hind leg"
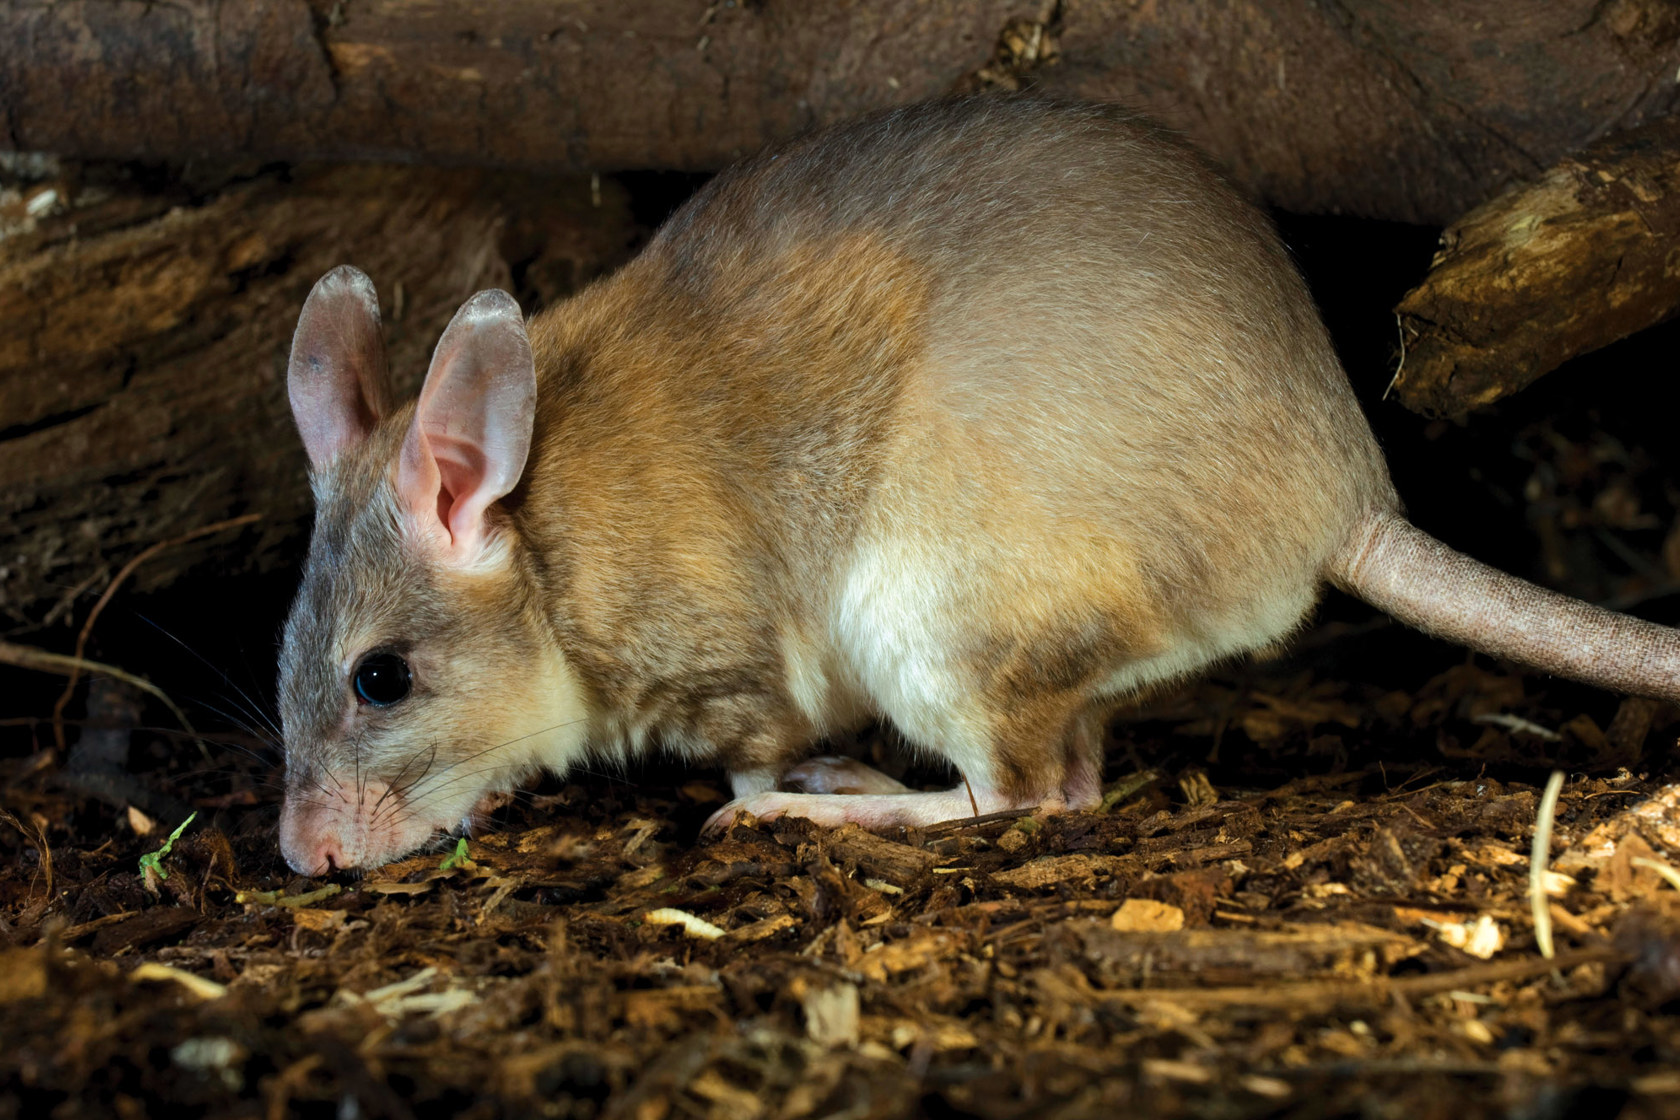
[[1082, 778], [1056, 772], [837, 774]]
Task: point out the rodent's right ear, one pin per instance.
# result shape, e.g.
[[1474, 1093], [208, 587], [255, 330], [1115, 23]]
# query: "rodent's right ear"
[[337, 378]]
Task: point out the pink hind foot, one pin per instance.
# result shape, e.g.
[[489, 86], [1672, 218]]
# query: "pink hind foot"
[[884, 810]]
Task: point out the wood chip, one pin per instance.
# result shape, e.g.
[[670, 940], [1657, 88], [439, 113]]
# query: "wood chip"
[[1145, 915], [831, 1015], [921, 948], [1047, 871], [759, 930]]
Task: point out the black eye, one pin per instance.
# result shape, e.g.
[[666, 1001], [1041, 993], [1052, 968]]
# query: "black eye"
[[382, 678]]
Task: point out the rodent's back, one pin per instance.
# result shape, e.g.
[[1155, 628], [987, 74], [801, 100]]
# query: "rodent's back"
[[1074, 238], [1118, 326]]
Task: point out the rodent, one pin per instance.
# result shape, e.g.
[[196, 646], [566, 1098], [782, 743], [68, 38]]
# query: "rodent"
[[978, 416]]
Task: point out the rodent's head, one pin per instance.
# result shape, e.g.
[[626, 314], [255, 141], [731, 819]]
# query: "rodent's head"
[[418, 674]]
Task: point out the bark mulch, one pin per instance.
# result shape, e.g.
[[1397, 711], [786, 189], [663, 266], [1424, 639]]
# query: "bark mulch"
[[1220, 940]]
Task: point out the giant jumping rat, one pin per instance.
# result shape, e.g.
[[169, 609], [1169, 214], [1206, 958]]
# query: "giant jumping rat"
[[978, 415]]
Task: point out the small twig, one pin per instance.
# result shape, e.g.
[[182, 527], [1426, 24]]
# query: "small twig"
[[28, 657], [77, 932], [975, 805], [1668, 873], [105, 597], [1518, 724], [1538, 857], [1400, 329], [67, 602], [959, 823], [1481, 975], [38, 841], [1326, 995]]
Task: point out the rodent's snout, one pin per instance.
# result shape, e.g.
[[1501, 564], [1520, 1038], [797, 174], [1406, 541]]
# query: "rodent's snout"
[[322, 857], [314, 825], [328, 826], [309, 849]]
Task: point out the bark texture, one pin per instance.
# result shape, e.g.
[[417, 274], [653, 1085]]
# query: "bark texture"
[[1586, 254], [142, 365], [1382, 108]]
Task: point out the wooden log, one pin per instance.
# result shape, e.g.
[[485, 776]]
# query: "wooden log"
[[142, 365], [1383, 108], [1584, 255], [1379, 108]]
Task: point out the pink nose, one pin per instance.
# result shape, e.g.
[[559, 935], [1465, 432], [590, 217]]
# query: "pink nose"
[[326, 858], [330, 828], [311, 845]]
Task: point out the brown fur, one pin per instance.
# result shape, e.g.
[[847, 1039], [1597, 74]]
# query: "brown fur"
[[659, 402]]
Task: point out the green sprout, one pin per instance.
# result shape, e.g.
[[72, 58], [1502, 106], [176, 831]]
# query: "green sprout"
[[457, 858], [151, 860]]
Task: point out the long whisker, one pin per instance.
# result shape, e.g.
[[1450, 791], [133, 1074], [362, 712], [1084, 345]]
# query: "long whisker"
[[433, 782], [241, 724], [253, 709], [397, 783]]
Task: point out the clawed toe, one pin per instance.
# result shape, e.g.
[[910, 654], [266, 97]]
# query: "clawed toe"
[[721, 821], [733, 813]]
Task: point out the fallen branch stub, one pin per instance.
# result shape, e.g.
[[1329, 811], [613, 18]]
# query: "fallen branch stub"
[[1587, 254]]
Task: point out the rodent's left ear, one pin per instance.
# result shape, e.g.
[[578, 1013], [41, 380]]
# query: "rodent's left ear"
[[472, 426], [336, 378]]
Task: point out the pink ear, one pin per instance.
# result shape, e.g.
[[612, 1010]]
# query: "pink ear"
[[472, 426], [337, 379]]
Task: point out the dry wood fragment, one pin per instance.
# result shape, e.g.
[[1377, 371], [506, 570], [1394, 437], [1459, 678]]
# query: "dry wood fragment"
[[922, 948], [1326, 996], [1344, 949], [1078, 869], [1584, 255], [1146, 915], [875, 856], [761, 929]]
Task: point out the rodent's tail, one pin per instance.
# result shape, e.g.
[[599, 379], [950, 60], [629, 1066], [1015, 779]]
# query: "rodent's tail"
[[1400, 569]]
